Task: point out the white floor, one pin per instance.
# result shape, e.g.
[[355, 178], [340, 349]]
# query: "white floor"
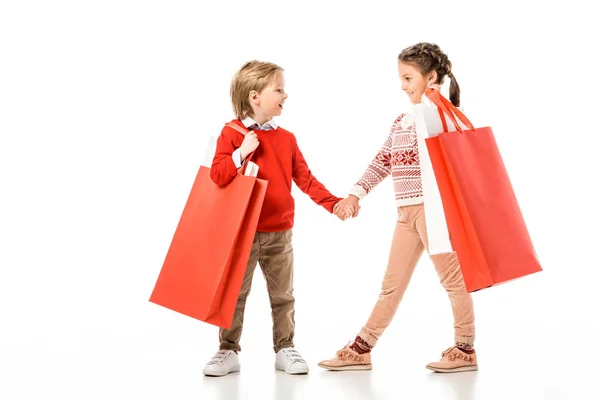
[[112, 345]]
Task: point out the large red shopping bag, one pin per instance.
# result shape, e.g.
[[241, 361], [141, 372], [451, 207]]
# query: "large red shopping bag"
[[203, 270], [485, 222]]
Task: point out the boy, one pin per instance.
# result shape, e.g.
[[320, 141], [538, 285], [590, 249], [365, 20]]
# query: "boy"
[[258, 95]]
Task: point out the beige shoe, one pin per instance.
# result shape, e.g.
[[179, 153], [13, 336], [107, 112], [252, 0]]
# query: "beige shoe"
[[347, 359], [454, 360]]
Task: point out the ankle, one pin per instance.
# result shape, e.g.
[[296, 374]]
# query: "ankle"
[[360, 346], [465, 347], [235, 351]]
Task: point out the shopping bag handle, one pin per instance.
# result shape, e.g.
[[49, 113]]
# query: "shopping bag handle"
[[243, 131], [445, 106]]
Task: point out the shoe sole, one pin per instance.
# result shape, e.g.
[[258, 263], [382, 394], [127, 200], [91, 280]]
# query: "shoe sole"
[[451, 370], [278, 368], [358, 367], [235, 369]]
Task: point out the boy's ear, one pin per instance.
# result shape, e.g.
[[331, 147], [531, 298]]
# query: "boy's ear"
[[253, 97]]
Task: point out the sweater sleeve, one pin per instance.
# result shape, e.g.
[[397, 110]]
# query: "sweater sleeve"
[[223, 168], [378, 169], [306, 181]]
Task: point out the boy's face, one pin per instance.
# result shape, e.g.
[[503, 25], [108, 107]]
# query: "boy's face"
[[269, 102], [414, 82]]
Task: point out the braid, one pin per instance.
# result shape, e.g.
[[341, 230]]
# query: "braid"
[[437, 57], [440, 63]]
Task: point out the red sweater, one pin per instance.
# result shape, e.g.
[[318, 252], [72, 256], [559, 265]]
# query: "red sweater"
[[279, 160]]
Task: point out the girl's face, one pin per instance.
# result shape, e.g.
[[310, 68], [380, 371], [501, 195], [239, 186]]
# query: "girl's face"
[[413, 82]]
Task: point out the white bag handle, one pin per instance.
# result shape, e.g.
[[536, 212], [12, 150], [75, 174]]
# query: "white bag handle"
[[428, 124], [210, 152]]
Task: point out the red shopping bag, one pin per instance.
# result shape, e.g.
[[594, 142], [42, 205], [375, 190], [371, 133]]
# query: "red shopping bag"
[[486, 226], [202, 274]]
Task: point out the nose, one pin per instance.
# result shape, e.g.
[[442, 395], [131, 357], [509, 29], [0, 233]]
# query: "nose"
[[404, 85], [285, 95]]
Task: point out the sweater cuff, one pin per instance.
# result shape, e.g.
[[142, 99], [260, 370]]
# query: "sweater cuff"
[[358, 191]]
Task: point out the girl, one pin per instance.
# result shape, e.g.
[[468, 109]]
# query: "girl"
[[420, 67]]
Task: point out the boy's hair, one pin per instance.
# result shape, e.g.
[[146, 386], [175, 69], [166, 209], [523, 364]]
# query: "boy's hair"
[[427, 57], [254, 75]]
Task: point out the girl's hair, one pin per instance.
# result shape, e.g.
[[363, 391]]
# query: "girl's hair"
[[427, 57], [254, 75]]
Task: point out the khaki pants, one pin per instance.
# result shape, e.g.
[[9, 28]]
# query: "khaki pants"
[[273, 251], [410, 239]]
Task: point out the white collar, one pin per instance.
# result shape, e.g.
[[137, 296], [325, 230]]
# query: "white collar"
[[249, 121]]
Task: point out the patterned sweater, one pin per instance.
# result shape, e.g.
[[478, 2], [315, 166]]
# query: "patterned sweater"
[[399, 156]]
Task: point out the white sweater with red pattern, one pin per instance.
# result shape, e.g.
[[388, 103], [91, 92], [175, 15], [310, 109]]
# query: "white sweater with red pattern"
[[399, 156]]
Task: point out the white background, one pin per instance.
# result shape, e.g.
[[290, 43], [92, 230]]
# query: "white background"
[[106, 108]]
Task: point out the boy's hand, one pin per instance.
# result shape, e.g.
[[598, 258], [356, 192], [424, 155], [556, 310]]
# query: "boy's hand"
[[344, 212], [249, 144], [347, 208]]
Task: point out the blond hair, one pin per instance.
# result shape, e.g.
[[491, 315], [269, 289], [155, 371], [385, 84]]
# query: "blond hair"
[[254, 75]]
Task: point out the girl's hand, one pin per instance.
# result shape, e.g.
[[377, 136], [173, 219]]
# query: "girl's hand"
[[347, 208]]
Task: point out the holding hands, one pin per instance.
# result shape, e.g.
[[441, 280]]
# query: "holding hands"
[[347, 208]]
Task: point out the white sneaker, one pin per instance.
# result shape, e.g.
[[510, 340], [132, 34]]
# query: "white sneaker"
[[290, 361], [224, 362]]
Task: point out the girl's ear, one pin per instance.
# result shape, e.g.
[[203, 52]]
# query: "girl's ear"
[[432, 78]]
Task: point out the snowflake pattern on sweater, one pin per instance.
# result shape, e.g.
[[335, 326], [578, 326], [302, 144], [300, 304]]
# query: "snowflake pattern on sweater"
[[399, 156]]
